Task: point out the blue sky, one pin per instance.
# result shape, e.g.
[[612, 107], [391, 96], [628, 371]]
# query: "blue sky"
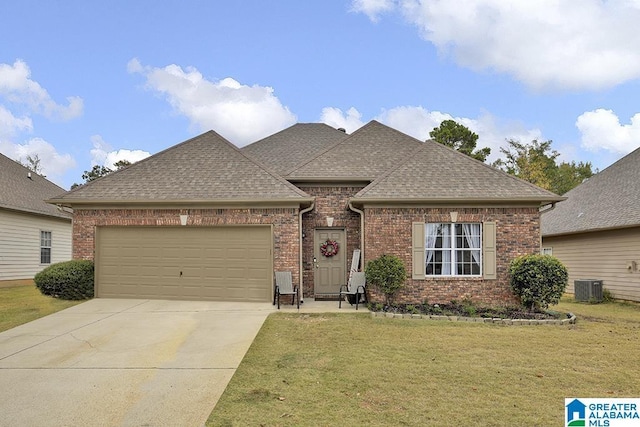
[[91, 82]]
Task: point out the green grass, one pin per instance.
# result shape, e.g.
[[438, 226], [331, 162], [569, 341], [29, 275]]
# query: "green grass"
[[20, 303], [349, 369]]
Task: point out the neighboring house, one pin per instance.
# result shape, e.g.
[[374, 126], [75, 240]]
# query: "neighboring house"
[[206, 220], [596, 231], [33, 233]]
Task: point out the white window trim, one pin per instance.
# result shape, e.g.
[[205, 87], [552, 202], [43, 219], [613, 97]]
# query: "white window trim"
[[547, 251], [453, 250], [50, 247]]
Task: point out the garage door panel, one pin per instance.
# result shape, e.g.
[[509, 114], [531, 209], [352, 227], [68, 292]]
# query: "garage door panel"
[[217, 263]]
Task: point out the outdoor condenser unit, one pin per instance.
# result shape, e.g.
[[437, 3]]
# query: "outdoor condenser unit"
[[587, 290]]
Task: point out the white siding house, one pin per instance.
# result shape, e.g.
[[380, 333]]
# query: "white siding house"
[[33, 233]]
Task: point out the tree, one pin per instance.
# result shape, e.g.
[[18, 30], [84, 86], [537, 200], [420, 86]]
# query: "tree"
[[570, 175], [532, 162], [99, 171], [33, 164], [121, 164], [536, 162], [460, 138], [96, 172]]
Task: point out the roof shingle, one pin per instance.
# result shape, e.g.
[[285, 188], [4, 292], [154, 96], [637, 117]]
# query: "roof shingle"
[[365, 154], [284, 150], [434, 172], [609, 199], [21, 193], [206, 168]]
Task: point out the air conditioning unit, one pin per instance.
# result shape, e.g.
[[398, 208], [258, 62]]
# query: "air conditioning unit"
[[587, 290]]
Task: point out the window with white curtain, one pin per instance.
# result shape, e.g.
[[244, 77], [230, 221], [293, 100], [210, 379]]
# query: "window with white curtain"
[[453, 249]]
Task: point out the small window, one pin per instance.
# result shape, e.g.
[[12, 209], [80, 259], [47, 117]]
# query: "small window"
[[45, 247], [547, 251]]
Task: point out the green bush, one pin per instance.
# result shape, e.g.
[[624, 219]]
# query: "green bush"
[[69, 280], [386, 273], [539, 280]]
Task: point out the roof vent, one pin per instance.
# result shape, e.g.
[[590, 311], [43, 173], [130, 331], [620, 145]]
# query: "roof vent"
[[29, 175], [342, 130]]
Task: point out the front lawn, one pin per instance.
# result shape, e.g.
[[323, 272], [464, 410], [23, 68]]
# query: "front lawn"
[[350, 369], [21, 303]]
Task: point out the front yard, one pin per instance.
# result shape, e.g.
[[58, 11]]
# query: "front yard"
[[347, 369], [22, 302]]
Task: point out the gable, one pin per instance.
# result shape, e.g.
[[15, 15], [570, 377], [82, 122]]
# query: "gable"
[[206, 168], [435, 173], [285, 150], [364, 155]]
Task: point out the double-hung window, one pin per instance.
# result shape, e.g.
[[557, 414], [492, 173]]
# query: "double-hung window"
[[45, 247], [453, 249]]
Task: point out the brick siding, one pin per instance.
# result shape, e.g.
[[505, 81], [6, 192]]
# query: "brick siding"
[[284, 221], [329, 202], [388, 231]]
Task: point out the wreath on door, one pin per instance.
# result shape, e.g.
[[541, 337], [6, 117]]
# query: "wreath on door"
[[329, 248]]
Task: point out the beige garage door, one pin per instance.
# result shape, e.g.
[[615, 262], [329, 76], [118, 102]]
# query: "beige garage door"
[[195, 263]]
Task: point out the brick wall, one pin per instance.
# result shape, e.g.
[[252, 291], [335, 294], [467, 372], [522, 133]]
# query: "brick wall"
[[388, 231], [332, 202], [284, 221]]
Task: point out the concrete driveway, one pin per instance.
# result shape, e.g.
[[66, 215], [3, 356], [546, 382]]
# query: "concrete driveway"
[[111, 362]]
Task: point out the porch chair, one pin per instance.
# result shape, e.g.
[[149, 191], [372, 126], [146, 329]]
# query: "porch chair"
[[356, 287], [284, 286]]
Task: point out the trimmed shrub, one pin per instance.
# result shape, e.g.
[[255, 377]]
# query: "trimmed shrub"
[[387, 274], [539, 280], [69, 280]]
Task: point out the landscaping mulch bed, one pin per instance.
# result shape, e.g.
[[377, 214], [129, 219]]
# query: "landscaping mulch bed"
[[468, 310]]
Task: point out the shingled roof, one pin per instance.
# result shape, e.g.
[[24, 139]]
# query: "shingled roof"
[[20, 192], [607, 200], [435, 173], [284, 150], [204, 169], [364, 155]]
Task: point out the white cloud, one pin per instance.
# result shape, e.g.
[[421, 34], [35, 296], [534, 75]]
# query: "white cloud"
[[239, 112], [17, 87], [334, 117], [103, 154], [372, 8], [601, 130], [54, 164], [10, 125], [547, 44]]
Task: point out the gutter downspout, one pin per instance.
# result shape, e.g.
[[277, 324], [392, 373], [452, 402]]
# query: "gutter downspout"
[[361, 232], [302, 212]]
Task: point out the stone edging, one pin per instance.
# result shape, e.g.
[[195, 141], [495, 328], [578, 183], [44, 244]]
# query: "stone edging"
[[496, 320]]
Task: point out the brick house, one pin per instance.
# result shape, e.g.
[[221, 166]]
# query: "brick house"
[[206, 220]]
